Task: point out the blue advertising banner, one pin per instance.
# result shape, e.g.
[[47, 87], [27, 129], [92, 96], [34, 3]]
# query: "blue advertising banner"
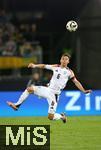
[[71, 102]]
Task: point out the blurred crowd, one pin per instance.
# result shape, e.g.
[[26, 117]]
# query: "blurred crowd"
[[40, 79], [17, 39], [20, 39]]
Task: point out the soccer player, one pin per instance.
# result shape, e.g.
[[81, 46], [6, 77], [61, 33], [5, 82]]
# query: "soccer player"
[[61, 74]]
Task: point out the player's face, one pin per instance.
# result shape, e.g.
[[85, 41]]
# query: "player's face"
[[64, 61]]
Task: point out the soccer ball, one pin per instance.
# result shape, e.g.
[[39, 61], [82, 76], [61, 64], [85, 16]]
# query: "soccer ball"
[[71, 26]]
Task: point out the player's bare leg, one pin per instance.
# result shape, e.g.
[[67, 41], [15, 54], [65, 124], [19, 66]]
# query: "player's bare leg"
[[22, 98], [57, 116]]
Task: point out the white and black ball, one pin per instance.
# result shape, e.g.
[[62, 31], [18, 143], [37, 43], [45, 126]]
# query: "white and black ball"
[[71, 26]]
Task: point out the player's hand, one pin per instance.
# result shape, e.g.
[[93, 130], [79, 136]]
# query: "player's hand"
[[31, 65], [87, 91]]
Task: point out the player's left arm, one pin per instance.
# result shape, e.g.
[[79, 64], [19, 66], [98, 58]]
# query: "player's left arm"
[[78, 84]]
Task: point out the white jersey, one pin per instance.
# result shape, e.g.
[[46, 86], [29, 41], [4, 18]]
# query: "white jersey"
[[59, 78]]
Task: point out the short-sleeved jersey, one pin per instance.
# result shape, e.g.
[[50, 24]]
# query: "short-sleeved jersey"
[[59, 78]]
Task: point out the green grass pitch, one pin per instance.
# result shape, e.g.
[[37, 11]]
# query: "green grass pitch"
[[79, 133]]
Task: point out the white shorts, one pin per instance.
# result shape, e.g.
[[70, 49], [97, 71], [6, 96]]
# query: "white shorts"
[[47, 93]]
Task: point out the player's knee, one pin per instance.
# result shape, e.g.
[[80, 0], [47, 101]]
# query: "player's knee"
[[30, 89], [50, 116]]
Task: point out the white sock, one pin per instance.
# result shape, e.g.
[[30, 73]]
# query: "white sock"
[[22, 98], [57, 116]]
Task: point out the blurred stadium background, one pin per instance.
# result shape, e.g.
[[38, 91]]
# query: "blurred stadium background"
[[34, 31]]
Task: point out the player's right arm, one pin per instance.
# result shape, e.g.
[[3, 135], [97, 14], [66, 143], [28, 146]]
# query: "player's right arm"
[[42, 66], [31, 65]]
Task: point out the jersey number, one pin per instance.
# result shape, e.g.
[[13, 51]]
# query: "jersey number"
[[58, 76]]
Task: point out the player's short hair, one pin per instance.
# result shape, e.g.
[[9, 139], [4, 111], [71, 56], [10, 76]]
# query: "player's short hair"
[[66, 54]]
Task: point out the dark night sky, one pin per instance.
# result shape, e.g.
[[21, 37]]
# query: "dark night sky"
[[70, 7], [57, 12]]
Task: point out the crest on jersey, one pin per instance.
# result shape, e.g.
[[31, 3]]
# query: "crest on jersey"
[[65, 72]]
